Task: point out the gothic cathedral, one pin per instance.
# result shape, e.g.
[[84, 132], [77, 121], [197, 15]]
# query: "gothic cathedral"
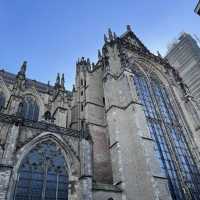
[[129, 130]]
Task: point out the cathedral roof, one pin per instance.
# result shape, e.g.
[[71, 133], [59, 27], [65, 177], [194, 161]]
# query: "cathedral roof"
[[10, 78]]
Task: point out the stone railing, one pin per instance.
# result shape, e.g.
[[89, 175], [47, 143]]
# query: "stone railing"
[[41, 125]]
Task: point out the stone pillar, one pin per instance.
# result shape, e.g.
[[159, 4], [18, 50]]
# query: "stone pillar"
[[5, 173], [61, 116], [135, 168], [10, 145], [94, 112], [6, 164], [86, 170]]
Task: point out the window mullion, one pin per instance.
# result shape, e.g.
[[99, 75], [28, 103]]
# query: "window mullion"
[[182, 135], [170, 144]]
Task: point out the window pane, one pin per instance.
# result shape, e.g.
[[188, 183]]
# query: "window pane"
[[42, 174], [168, 135]]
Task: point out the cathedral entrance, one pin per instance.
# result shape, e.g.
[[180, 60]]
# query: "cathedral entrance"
[[42, 174]]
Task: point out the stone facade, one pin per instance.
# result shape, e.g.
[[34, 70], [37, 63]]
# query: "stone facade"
[[100, 127]]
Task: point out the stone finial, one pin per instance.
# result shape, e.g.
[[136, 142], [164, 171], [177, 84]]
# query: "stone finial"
[[93, 65], [115, 36], [88, 61], [99, 54], [105, 38], [110, 35], [159, 55], [23, 68], [58, 80], [63, 81], [128, 27], [73, 90]]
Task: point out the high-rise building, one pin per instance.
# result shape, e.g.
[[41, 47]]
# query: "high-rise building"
[[184, 56], [197, 9], [128, 130]]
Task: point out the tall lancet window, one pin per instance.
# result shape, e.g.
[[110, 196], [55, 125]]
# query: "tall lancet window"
[[171, 147], [30, 109], [43, 174], [2, 100]]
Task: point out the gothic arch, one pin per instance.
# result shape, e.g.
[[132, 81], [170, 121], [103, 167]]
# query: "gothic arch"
[[143, 63], [71, 161], [32, 92]]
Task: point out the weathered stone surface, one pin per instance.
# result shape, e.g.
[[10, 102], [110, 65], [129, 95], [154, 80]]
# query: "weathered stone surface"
[[100, 126]]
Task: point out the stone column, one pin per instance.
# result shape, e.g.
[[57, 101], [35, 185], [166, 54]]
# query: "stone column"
[[86, 170], [6, 164], [60, 116], [5, 173], [10, 145]]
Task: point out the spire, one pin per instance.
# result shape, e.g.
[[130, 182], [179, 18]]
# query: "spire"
[[63, 81], [128, 27], [99, 54], [159, 55], [110, 35], [73, 90], [48, 87], [57, 84], [23, 68], [88, 61], [115, 36], [21, 76], [105, 38]]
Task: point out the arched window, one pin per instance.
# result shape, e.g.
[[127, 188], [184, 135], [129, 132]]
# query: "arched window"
[[171, 147], [2, 100], [43, 174], [30, 109]]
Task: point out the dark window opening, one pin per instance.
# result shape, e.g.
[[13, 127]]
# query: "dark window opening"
[[104, 101], [43, 174], [29, 109], [82, 107]]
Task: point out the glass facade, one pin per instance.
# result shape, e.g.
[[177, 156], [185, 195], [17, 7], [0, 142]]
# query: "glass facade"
[[171, 148], [43, 174], [30, 109]]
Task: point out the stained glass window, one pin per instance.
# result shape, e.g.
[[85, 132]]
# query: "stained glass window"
[[171, 147], [30, 109], [43, 174], [2, 100]]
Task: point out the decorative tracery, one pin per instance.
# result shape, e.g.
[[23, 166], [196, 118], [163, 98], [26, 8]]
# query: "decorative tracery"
[[43, 174], [2, 100], [171, 147], [30, 109]]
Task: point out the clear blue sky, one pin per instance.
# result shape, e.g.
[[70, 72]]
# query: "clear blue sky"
[[52, 34]]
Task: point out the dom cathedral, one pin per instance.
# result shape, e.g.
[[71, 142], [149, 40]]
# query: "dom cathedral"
[[129, 130]]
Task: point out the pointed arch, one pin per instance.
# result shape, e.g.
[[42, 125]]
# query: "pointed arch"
[[33, 92], [170, 145], [29, 108], [148, 68], [46, 138]]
